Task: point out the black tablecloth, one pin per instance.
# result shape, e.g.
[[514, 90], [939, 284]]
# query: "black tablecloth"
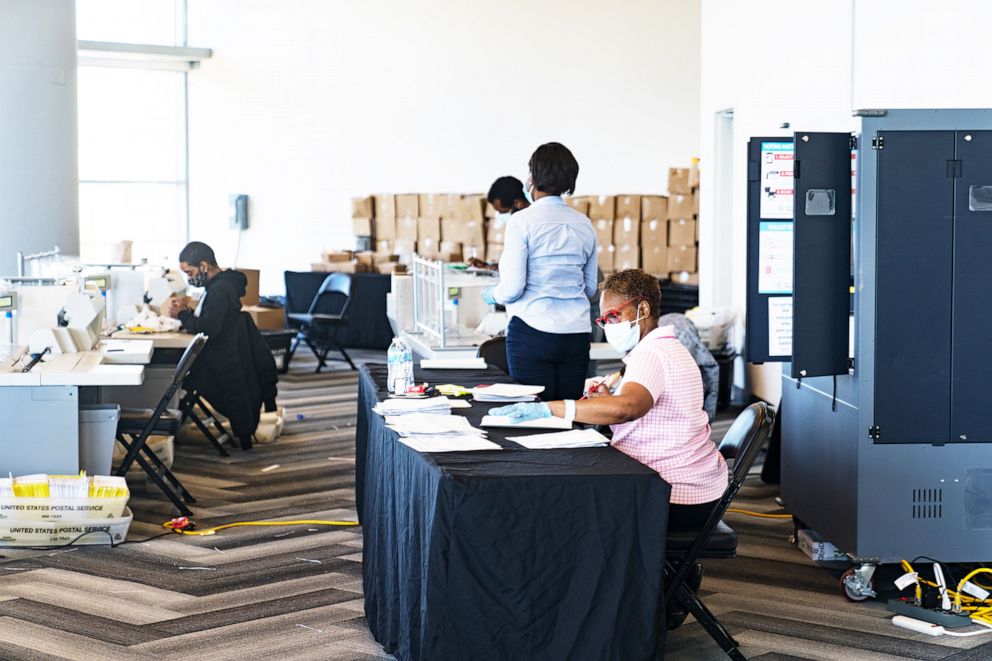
[[513, 554], [368, 327]]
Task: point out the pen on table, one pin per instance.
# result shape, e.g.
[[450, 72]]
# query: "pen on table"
[[608, 381]]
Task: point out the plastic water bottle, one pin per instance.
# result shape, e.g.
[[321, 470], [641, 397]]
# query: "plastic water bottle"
[[399, 359]]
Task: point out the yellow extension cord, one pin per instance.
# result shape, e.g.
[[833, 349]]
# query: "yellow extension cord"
[[761, 515], [171, 525]]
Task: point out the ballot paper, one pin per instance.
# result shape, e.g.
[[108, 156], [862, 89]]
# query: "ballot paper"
[[577, 438], [400, 406], [453, 364], [506, 393], [430, 424], [539, 423], [448, 443]]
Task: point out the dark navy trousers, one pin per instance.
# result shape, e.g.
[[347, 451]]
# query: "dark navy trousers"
[[558, 362]]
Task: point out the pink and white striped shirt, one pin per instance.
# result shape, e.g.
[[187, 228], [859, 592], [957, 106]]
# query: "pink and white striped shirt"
[[673, 437]]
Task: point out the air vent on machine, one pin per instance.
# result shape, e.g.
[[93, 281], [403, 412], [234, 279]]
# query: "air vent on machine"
[[928, 503]]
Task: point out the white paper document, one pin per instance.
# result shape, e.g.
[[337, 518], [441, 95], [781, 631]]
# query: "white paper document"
[[506, 393], [430, 424], [577, 438], [401, 406], [540, 423], [448, 443], [453, 364]]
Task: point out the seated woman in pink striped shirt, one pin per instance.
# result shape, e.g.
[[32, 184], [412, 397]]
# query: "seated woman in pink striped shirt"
[[656, 412]]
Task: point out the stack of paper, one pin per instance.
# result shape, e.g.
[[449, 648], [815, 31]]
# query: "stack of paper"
[[578, 438], [427, 432], [506, 393], [400, 406], [539, 423]]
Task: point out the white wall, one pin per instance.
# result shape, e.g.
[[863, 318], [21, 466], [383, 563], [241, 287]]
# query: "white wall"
[[810, 63], [39, 179], [307, 103]]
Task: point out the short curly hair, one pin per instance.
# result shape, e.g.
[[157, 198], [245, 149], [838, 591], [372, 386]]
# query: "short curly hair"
[[635, 284]]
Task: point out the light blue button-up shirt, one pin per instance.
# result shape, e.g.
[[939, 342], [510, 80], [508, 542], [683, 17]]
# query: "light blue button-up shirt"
[[548, 268]]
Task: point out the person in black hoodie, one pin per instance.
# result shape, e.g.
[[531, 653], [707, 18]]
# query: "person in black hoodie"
[[220, 374]]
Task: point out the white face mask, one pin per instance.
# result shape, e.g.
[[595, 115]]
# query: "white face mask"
[[502, 219], [623, 335]]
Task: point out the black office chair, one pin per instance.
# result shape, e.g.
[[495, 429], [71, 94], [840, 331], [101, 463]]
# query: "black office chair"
[[319, 331], [136, 425], [188, 405], [493, 351], [743, 443]]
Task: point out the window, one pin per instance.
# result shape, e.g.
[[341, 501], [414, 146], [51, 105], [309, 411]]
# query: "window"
[[132, 133]]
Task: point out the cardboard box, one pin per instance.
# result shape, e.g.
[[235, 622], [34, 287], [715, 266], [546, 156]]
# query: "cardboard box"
[[384, 246], [407, 206], [679, 206], [678, 181], [366, 258], [682, 232], [429, 227], [451, 251], [684, 278], [493, 252], [818, 549], [431, 204], [580, 204], [490, 211], [384, 228], [362, 207], [654, 232], [406, 228], [361, 226], [695, 202], [450, 205], [453, 229], [495, 232], [251, 289], [341, 267], [379, 258], [429, 247], [477, 250], [654, 258], [473, 207], [682, 258], [654, 207], [694, 174], [388, 268], [628, 206], [604, 257], [385, 207], [338, 255], [604, 231], [267, 318], [475, 232], [404, 248], [626, 231], [602, 208], [627, 256]]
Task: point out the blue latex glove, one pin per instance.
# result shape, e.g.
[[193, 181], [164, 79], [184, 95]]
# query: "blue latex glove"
[[523, 411], [487, 296]]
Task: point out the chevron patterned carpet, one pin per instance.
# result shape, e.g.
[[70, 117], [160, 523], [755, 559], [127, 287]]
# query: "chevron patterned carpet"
[[296, 592]]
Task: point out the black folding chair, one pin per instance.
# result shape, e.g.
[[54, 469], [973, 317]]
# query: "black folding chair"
[[716, 539], [319, 330], [188, 405], [136, 425], [493, 351]]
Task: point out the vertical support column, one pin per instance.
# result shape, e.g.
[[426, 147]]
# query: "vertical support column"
[[39, 173]]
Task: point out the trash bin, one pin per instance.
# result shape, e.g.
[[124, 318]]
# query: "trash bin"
[[97, 431]]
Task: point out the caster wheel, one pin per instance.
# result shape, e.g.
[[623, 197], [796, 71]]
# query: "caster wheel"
[[849, 587]]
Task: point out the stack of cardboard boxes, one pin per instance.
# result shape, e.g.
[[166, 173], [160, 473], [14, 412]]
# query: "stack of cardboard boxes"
[[446, 226], [653, 232]]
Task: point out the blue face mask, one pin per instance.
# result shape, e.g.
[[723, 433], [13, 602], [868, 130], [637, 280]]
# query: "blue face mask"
[[527, 195]]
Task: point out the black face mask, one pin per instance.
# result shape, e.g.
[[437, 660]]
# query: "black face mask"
[[199, 280]]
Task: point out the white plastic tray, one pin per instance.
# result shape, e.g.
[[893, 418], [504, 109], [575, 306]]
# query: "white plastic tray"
[[58, 533]]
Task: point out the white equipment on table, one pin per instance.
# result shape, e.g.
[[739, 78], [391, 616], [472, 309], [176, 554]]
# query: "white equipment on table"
[[80, 324], [715, 325], [161, 288]]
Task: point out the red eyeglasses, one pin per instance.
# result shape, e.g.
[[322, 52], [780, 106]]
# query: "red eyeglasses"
[[613, 316]]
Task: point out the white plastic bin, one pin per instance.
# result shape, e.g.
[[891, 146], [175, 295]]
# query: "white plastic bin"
[[97, 431]]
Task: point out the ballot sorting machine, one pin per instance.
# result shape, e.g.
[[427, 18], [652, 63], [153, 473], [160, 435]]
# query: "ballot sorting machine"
[[886, 453]]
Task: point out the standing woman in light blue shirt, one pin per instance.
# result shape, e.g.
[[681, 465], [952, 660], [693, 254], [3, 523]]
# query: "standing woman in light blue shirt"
[[547, 274]]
